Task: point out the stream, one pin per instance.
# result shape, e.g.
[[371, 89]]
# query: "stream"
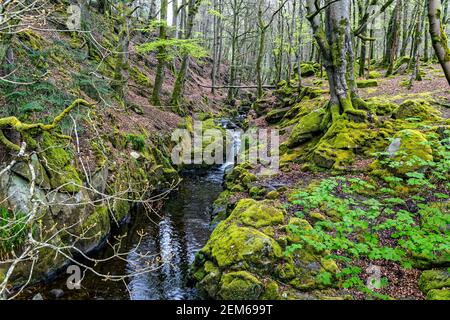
[[174, 235]]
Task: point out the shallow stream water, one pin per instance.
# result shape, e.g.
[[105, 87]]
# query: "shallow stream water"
[[174, 236]]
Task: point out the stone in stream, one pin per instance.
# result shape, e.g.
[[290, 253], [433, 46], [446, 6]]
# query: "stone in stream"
[[244, 258], [57, 293], [38, 297]]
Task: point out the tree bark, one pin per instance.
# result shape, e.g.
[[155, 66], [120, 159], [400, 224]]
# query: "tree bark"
[[162, 57], [438, 36], [335, 44], [181, 77]]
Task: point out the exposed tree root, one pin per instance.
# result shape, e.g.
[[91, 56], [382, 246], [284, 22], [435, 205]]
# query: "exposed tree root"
[[23, 128]]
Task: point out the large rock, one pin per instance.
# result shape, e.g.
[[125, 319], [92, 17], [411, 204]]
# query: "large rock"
[[411, 150], [244, 258], [58, 162], [309, 125], [435, 284], [277, 115], [240, 285], [419, 108]]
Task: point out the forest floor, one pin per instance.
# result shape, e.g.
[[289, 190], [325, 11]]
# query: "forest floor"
[[400, 280]]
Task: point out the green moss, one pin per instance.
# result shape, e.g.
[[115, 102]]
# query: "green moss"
[[171, 175], [240, 285], [367, 83], [413, 147], [140, 78], [257, 214], [434, 279], [307, 70], [400, 62], [317, 216], [285, 271], [256, 192], [375, 75], [57, 160], [381, 107], [443, 294], [230, 245], [32, 39], [277, 115], [137, 141], [418, 108], [307, 127], [97, 225], [271, 291], [273, 195], [248, 178], [345, 140]]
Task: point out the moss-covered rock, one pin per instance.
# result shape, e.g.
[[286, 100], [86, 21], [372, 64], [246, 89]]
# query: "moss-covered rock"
[[370, 83], [413, 150], [443, 294], [97, 225], [309, 125], [58, 163], [401, 64], [273, 195], [381, 107], [307, 70], [140, 78], [240, 285], [245, 248], [344, 140], [375, 75], [434, 279], [231, 245], [419, 108], [277, 115], [257, 214]]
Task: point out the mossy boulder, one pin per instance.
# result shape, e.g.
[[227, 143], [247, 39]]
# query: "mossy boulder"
[[58, 163], [258, 214], [140, 78], [434, 279], [244, 249], [401, 65], [277, 115], [257, 192], [273, 195], [443, 294], [240, 285], [370, 83], [308, 126], [375, 75], [411, 150], [419, 108], [307, 70], [381, 107], [233, 245], [344, 140]]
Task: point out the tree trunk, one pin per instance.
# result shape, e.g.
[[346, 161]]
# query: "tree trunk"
[[181, 77], [337, 54], [394, 38], [120, 84], [162, 56], [438, 36]]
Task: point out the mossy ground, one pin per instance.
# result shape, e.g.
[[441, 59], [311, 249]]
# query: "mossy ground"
[[389, 167]]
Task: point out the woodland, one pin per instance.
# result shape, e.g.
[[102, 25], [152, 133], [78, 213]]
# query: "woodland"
[[93, 206]]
